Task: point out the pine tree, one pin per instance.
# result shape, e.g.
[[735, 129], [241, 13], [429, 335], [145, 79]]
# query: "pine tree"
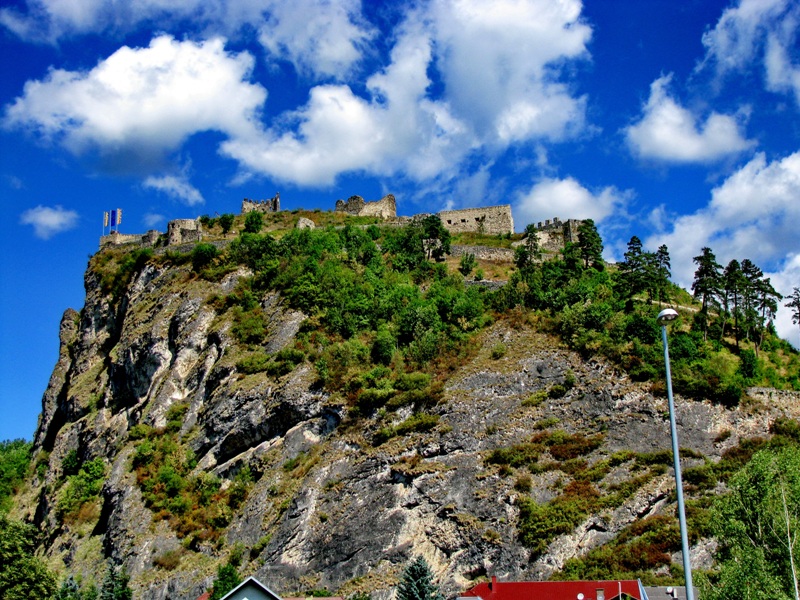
[[590, 244], [227, 579], [115, 585], [733, 285], [69, 590], [633, 270], [417, 582], [794, 304], [707, 282], [663, 273]]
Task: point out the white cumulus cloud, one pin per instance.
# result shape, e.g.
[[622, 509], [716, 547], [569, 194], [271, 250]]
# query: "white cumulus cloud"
[[143, 99], [761, 35], [501, 64], [567, 198], [322, 38], [667, 131], [752, 214], [47, 221], [175, 187], [395, 130]]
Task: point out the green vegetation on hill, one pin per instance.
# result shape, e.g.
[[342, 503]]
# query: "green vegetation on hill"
[[384, 289], [15, 457]]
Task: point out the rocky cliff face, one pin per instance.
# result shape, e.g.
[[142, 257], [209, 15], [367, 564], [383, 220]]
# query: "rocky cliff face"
[[328, 506]]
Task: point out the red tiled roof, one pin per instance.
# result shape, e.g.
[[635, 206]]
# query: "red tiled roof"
[[553, 590], [205, 596]]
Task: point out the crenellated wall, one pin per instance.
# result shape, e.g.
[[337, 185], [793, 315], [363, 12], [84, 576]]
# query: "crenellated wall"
[[266, 206], [555, 234]]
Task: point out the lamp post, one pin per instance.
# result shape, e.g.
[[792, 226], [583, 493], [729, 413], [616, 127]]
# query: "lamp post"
[[664, 317]]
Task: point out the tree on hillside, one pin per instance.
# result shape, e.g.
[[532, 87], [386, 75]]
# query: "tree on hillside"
[[70, 590], [590, 244], [530, 250], [794, 304], [115, 585], [632, 277], [226, 222], [758, 525], [658, 274], [437, 237], [767, 299], [22, 575], [417, 582], [733, 285], [707, 283], [253, 222], [15, 455], [751, 277]]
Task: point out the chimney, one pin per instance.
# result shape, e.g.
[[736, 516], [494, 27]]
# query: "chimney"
[[493, 583]]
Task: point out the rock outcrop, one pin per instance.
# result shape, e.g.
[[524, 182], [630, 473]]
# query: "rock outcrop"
[[329, 507]]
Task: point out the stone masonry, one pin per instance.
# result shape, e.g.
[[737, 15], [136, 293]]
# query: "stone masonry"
[[265, 206], [385, 208], [490, 220], [555, 234], [183, 231]]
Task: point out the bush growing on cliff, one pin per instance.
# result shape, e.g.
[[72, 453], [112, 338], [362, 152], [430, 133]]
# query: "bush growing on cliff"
[[82, 488], [203, 255]]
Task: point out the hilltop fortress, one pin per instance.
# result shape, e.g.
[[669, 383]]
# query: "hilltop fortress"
[[488, 220]]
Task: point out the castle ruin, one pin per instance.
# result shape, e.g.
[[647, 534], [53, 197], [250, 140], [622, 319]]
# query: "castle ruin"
[[489, 220], [385, 208], [265, 206], [555, 234]]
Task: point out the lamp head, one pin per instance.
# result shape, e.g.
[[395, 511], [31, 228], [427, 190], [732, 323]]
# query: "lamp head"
[[667, 315]]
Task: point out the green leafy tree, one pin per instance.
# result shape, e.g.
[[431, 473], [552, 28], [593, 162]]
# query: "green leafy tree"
[[15, 456], [758, 524], [22, 574], [530, 251], [253, 222], [467, 263], [226, 222], [707, 283], [417, 582], [437, 237], [590, 244], [202, 255]]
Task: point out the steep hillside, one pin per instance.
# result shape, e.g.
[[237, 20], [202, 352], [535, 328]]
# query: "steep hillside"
[[205, 404]]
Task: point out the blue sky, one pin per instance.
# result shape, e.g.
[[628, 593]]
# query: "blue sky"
[[678, 122]]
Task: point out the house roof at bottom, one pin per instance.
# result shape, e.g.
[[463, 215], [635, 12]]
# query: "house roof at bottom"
[[251, 589], [555, 590]]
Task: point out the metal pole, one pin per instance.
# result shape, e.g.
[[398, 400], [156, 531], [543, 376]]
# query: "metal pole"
[[687, 568]]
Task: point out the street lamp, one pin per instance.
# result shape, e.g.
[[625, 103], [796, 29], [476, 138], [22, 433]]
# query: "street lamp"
[[664, 317]]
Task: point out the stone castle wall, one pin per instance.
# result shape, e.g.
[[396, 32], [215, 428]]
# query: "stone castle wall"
[[184, 231], [385, 208], [489, 220], [555, 234], [266, 206]]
